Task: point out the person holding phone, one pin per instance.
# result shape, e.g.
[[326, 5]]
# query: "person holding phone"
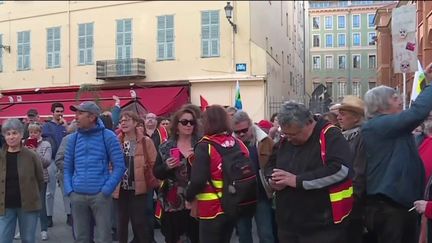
[[173, 168], [44, 151]]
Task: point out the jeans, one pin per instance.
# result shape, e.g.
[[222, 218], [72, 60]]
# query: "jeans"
[[83, 206], [27, 225], [43, 211], [51, 188], [264, 221]]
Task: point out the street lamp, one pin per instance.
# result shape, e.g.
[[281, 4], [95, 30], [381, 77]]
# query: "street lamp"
[[229, 12]]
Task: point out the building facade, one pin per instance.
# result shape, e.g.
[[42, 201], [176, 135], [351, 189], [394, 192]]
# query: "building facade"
[[342, 47], [385, 52], [65, 45]]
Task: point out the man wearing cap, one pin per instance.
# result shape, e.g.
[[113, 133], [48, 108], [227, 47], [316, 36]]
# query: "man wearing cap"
[[351, 117], [90, 154]]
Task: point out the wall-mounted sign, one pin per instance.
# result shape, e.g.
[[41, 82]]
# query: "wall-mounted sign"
[[240, 67]]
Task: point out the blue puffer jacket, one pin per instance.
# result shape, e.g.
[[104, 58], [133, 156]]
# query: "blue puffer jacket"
[[87, 158], [394, 167]]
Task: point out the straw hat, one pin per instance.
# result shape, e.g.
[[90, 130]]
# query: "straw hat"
[[354, 104]]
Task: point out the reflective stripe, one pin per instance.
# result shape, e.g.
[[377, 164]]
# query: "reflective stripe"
[[208, 196], [339, 196], [209, 149], [218, 184]]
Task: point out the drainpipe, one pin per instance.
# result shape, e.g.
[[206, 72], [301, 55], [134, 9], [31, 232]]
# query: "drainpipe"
[[69, 45], [304, 53]]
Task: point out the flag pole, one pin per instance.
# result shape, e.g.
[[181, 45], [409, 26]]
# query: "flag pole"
[[404, 90]]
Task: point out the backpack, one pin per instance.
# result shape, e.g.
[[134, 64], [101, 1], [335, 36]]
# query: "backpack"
[[239, 191]]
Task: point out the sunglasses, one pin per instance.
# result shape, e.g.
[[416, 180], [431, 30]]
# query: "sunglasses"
[[185, 122], [242, 131]]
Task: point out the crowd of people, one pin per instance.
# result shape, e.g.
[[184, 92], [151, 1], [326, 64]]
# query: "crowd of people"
[[360, 173]]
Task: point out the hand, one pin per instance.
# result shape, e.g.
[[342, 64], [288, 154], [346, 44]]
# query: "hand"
[[116, 99], [188, 205], [172, 163], [428, 72], [275, 186], [281, 177], [420, 206]]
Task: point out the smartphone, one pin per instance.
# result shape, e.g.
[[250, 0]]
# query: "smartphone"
[[175, 153], [31, 143]]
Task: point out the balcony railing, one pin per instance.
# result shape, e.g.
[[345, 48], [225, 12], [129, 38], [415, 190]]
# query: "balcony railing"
[[120, 69]]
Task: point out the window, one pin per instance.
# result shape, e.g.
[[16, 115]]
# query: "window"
[[165, 37], [341, 89], [356, 89], [124, 47], [23, 49], [356, 21], [356, 61], [53, 47], [316, 40], [356, 39], [371, 85], [315, 84], [341, 22], [342, 62], [1, 53], [85, 44], [328, 22], [371, 18], [372, 61], [371, 38], [341, 40], [316, 23], [210, 33], [124, 39], [329, 40], [329, 62], [316, 62]]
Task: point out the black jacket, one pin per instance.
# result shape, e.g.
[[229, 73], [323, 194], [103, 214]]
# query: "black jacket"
[[308, 205]]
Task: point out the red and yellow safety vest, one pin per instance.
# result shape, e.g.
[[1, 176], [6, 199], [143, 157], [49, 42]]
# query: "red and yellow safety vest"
[[208, 201], [341, 195]]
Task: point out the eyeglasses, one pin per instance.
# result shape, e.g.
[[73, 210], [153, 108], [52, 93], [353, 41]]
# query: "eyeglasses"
[[242, 131], [185, 122], [125, 120]]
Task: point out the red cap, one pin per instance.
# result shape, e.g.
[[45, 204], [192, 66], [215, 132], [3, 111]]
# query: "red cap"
[[265, 124]]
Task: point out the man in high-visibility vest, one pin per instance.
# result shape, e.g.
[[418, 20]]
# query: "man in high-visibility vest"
[[310, 171]]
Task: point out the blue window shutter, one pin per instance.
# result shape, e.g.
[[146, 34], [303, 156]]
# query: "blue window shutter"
[[214, 33], [81, 56], [161, 50], [81, 30], [89, 55], [205, 33]]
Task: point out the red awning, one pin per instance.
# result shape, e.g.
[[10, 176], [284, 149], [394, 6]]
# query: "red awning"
[[160, 100]]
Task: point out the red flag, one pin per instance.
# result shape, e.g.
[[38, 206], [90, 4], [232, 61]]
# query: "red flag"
[[204, 103]]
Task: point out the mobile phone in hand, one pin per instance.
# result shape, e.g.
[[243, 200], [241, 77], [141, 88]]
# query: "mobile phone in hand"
[[31, 143], [175, 153]]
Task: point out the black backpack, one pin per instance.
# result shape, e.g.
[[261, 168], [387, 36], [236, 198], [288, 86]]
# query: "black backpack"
[[239, 191]]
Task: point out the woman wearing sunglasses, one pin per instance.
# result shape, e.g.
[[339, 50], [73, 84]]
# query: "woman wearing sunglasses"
[[173, 168]]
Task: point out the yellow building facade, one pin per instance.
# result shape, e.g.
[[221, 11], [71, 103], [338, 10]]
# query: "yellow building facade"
[[53, 44]]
